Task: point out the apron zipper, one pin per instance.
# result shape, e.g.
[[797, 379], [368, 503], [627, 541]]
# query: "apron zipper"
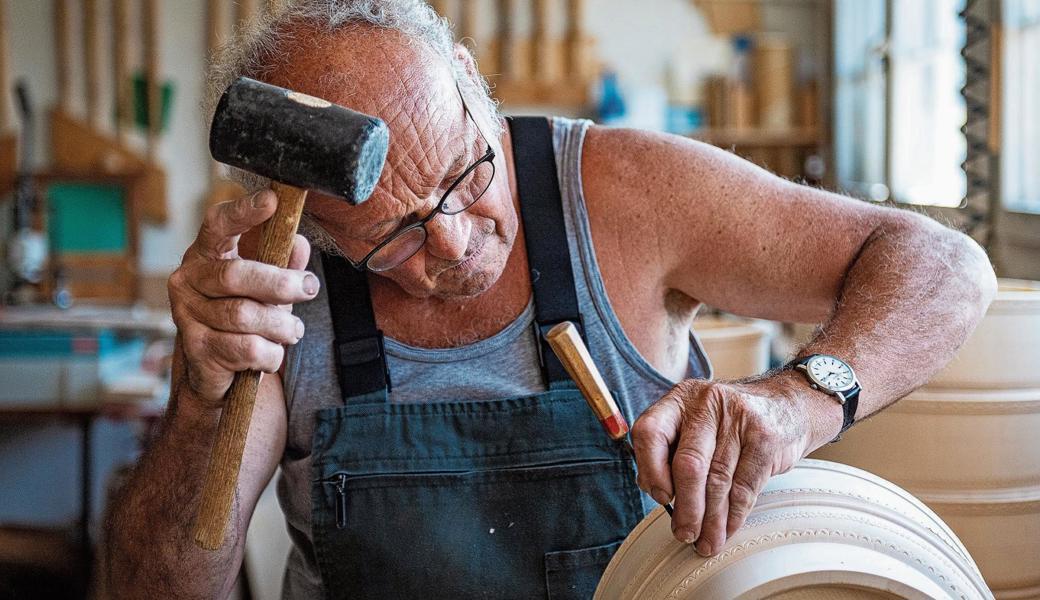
[[340, 478], [341, 500]]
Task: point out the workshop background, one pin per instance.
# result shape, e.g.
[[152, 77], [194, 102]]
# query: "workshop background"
[[930, 105]]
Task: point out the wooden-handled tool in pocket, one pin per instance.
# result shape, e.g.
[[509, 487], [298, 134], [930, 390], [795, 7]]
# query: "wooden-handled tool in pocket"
[[300, 142], [566, 342]]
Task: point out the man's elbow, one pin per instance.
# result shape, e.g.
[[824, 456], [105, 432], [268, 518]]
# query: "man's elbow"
[[969, 273], [960, 270], [979, 270]]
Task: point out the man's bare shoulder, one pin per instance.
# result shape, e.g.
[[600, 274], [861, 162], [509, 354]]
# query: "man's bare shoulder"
[[634, 171], [643, 187]]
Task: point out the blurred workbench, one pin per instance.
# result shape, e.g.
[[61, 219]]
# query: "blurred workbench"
[[75, 367], [125, 319]]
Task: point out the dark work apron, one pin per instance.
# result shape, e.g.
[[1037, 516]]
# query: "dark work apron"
[[511, 498]]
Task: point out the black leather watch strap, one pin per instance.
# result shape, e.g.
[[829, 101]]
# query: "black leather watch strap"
[[849, 410]]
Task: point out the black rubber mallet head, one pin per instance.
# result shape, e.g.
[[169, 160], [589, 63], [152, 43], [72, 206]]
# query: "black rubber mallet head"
[[299, 142]]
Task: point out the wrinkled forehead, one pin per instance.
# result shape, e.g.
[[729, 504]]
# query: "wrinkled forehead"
[[385, 74]]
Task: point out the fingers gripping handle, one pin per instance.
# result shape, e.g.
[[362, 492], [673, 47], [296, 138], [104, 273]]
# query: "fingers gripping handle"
[[566, 342], [218, 491]]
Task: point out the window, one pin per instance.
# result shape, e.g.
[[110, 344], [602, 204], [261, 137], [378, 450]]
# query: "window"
[[1020, 152], [898, 108]]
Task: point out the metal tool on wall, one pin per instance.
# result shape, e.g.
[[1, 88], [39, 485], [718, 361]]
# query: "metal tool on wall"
[[300, 142], [27, 248], [566, 342]]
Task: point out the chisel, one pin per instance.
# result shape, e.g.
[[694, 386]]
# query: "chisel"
[[566, 342]]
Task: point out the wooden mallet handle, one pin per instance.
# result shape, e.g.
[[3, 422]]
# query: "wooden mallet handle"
[[569, 347], [218, 492]]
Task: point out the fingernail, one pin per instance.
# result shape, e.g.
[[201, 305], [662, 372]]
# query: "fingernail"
[[705, 549], [659, 495], [310, 284], [299, 328], [685, 536], [259, 199]]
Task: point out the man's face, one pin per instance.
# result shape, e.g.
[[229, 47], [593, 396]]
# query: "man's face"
[[432, 141]]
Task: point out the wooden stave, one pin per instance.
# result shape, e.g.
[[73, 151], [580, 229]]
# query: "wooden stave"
[[988, 398], [1004, 351]]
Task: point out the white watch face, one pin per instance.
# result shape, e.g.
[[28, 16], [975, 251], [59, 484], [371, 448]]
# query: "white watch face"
[[831, 373]]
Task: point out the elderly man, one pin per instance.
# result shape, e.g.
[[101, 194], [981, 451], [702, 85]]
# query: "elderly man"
[[459, 461]]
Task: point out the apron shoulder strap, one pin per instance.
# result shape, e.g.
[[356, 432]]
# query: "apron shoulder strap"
[[541, 208], [358, 344]]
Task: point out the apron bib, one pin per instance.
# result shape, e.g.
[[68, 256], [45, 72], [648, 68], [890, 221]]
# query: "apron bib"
[[511, 498]]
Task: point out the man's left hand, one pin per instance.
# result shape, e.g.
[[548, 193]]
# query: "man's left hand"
[[714, 445]]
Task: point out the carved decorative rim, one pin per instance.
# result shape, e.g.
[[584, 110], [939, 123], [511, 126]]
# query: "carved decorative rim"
[[907, 533]]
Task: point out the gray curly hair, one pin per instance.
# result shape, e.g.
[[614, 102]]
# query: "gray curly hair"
[[252, 51]]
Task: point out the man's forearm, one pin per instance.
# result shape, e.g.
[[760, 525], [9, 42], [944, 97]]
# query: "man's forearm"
[[150, 551], [911, 298]]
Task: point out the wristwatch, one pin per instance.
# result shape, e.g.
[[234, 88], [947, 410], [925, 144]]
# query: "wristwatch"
[[833, 376]]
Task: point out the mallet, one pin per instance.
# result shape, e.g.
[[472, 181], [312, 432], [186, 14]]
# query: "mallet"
[[300, 142]]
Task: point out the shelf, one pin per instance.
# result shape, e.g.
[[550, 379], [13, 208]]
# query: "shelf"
[[773, 138], [531, 92]]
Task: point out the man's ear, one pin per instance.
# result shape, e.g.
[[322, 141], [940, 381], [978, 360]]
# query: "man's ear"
[[462, 54]]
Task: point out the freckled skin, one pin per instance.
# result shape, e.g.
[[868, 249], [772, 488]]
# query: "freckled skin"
[[674, 223]]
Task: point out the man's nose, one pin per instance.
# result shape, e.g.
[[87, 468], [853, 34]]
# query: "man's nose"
[[447, 236]]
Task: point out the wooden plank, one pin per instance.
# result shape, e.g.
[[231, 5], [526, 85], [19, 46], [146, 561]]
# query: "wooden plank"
[[742, 137], [78, 149], [245, 10], [216, 31], [548, 50], [61, 53], [91, 79], [121, 67], [8, 162], [150, 16], [514, 52], [5, 49], [569, 94], [100, 277]]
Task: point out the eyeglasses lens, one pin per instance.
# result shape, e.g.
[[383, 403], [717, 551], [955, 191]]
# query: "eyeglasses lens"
[[398, 250], [470, 189]]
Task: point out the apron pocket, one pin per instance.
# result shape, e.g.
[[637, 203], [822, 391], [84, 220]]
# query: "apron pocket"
[[473, 534], [574, 574]]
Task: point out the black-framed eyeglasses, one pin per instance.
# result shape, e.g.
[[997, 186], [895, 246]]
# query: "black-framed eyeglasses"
[[463, 193]]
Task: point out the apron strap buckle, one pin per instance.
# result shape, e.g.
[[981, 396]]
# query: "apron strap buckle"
[[361, 352]]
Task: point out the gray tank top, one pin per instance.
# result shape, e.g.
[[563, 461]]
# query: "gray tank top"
[[502, 366]]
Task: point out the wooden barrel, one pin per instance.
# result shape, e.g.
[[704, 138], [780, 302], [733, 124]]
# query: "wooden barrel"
[[736, 347], [822, 530], [968, 443]]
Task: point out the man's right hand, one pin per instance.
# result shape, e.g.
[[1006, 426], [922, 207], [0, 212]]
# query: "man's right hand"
[[234, 314]]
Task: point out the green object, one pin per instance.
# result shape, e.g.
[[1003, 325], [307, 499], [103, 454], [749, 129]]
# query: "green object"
[[87, 217], [140, 86]]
